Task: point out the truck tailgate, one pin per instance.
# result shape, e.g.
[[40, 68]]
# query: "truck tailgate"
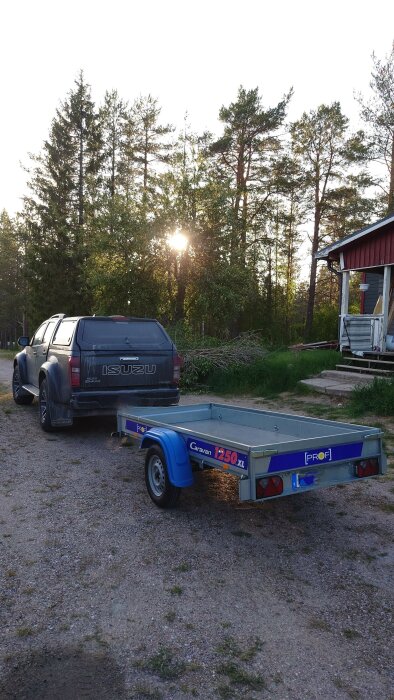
[[106, 369]]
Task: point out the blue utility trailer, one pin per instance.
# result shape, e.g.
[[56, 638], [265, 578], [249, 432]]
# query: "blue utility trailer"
[[272, 454]]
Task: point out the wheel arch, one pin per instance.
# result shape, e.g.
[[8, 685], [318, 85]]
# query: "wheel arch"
[[174, 448], [20, 363], [51, 372]]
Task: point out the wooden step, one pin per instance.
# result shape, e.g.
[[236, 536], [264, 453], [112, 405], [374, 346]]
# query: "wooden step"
[[370, 354], [370, 370], [370, 360]]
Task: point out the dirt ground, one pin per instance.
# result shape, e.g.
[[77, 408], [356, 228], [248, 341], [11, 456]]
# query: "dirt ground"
[[103, 595]]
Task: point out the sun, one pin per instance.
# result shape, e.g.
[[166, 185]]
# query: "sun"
[[178, 241]]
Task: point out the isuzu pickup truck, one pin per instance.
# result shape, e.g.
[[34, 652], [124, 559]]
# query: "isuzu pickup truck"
[[93, 365]]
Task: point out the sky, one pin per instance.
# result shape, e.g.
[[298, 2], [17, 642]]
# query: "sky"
[[191, 56]]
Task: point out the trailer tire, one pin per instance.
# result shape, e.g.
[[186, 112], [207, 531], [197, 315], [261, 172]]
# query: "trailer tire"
[[162, 492]]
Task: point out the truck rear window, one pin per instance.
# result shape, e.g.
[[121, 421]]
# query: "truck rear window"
[[97, 334]]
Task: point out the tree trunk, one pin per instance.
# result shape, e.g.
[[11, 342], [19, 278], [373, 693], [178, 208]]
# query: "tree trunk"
[[312, 278], [80, 183], [181, 282]]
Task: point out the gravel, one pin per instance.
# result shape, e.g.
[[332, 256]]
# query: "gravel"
[[103, 595]]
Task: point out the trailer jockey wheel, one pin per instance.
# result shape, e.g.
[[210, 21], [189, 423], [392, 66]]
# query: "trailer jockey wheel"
[[160, 489]]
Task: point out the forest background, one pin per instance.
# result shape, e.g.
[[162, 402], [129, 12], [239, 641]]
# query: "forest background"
[[112, 184]]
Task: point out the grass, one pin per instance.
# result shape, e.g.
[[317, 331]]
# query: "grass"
[[144, 691], [351, 634], [182, 568], [8, 354], [170, 616], [239, 676], [176, 590], [237, 655], [275, 373], [387, 507], [24, 632], [315, 623], [164, 665], [377, 398], [230, 647]]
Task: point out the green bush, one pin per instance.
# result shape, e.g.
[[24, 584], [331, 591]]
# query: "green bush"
[[325, 323]]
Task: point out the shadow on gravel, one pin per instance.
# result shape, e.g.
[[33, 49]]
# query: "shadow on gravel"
[[63, 674]]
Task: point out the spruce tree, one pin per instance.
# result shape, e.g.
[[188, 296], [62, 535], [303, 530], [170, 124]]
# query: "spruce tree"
[[12, 287], [59, 212]]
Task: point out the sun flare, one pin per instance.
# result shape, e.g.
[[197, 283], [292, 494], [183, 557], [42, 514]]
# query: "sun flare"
[[178, 241]]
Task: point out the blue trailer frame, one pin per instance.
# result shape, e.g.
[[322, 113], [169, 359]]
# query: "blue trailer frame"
[[272, 454]]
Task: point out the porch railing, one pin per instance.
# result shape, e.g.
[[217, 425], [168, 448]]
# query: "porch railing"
[[361, 332]]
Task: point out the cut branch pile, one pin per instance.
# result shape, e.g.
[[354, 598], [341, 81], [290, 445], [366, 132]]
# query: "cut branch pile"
[[243, 350]]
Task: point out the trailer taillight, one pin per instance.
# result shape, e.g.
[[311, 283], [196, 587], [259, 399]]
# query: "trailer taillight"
[[367, 467], [176, 374], [75, 371], [269, 486]]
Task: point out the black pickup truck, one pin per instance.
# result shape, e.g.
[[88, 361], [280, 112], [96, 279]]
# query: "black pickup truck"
[[92, 365]]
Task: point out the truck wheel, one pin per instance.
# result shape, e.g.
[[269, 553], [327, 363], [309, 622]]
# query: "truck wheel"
[[45, 407], [160, 489], [21, 397]]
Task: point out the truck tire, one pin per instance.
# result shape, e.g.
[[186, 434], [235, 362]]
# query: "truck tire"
[[45, 405], [160, 489], [21, 397]]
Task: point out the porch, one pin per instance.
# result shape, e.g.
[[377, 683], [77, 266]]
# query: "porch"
[[366, 338]]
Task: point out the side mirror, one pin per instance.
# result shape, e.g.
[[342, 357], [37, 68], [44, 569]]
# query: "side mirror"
[[23, 341]]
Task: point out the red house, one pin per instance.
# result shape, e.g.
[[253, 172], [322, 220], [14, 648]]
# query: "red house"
[[370, 251]]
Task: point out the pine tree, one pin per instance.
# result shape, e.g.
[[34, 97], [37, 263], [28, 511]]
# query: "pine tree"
[[245, 151], [378, 113], [151, 147], [325, 151]]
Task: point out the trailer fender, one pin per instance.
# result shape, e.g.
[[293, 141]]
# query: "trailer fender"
[[175, 452]]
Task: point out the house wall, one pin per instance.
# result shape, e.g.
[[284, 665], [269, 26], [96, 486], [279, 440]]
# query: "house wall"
[[372, 294], [374, 250]]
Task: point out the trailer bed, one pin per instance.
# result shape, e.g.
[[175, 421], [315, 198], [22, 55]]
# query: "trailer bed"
[[305, 453]]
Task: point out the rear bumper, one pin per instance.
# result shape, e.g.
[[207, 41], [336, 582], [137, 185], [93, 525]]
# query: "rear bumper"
[[109, 402]]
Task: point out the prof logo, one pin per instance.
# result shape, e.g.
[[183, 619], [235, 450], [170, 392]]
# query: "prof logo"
[[316, 457]]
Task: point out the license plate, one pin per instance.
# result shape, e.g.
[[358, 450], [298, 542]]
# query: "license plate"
[[303, 481]]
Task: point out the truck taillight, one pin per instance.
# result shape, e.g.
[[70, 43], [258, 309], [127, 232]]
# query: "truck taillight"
[[269, 486], [367, 467], [75, 371], [176, 375]]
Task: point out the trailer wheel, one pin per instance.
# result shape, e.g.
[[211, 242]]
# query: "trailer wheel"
[[160, 489]]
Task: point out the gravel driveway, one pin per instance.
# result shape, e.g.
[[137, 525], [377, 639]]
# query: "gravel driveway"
[[103, 595]]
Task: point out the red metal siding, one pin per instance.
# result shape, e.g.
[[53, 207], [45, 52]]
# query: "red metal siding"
[[371, 251]]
